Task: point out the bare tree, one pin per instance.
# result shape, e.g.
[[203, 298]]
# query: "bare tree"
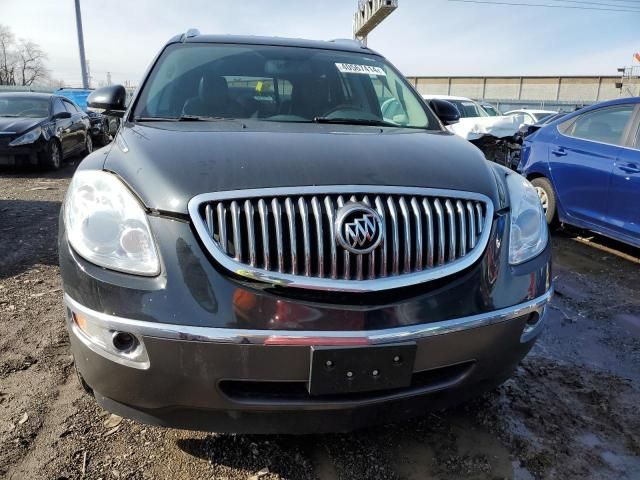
[[22, 62], [30, 63], [7, 69]]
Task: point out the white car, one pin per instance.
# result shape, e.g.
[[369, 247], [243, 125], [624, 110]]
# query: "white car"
[[468, 108], [529, 116], [475, 122]]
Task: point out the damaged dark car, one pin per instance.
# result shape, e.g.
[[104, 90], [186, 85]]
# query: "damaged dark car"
[[264, 250]]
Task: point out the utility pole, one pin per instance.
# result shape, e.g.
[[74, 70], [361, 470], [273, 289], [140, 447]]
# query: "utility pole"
[[369, 15], [83, 62]]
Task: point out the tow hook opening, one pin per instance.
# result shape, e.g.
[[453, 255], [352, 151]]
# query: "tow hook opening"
[[533, 325]]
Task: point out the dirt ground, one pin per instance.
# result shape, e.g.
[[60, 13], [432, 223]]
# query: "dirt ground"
[[570, 411]]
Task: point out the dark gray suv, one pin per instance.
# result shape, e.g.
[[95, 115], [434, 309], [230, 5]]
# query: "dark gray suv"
[[261, 249]]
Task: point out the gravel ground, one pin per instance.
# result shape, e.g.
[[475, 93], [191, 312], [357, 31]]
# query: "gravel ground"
[[570, 410]]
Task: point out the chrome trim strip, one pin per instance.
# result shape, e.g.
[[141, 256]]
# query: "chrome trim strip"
[[395, 237], [237, 241], [251, 234], [344, 284], [440, 214], [417, 218], [383, 257], [293, 244], [451, 217], [241, 336], [222, 226], [317, 215], [264, 229], [430, 238], [306, 248], [404, 211], [277, 218], [347, 260], [472, 226]]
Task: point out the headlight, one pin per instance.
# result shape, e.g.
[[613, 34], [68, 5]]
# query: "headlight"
[[529, 233], [106, 224], [29, 137]]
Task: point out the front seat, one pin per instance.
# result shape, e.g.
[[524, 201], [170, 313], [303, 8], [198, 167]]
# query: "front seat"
[[212, 100]]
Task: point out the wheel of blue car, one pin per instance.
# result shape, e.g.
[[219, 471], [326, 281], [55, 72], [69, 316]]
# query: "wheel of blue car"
[[547, 196], [52, 155]]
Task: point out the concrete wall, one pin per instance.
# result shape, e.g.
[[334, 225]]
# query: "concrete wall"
[[578, 90]]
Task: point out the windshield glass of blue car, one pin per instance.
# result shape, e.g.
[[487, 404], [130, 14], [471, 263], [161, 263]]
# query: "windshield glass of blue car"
[[16, 106], [282, 84]]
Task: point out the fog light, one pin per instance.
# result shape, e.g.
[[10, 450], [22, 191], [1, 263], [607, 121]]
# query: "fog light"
[[124, 342], [103, 338]]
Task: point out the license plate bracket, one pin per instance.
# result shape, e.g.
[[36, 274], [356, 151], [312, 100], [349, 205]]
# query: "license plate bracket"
[[339, 370]]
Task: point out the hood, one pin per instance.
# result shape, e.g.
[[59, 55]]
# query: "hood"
[[17, 125], [473, 128], [167, 164]]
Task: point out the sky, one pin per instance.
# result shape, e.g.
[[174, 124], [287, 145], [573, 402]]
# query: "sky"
[[422, 37]]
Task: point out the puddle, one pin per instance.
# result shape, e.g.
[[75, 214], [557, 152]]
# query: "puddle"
[[466, 452]]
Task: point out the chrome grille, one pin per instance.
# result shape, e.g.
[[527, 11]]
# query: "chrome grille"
[[287, 235]]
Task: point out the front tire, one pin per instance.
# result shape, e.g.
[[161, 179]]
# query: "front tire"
[[547, 196], [52, 158], [88, 144]]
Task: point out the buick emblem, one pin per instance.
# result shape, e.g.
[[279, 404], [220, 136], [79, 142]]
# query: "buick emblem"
[[359, 228]]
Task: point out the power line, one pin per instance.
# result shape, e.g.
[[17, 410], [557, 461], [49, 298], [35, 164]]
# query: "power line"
[[546, 5], [581, 2]]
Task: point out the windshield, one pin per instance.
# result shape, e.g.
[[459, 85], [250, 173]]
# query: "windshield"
[[468, 108], [23, 106], [282, 84], [491, 110], [542, 116]]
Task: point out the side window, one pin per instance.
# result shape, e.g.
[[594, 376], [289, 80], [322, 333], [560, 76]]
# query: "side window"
[[605, 125], [637, 142], [58, 107], [70, 108]]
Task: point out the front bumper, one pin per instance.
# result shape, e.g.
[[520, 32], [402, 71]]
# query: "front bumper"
[[227, 354], [241, 381], [22, 155]]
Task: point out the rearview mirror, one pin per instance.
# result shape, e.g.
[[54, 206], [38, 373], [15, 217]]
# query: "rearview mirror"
[[447, 112], [111, 99]]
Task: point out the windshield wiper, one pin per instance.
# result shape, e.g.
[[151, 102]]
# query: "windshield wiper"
[[155, 119], [201, 118], [183, 118], [356, 121]]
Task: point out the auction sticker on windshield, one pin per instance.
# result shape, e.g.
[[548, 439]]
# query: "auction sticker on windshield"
[[364, 69]]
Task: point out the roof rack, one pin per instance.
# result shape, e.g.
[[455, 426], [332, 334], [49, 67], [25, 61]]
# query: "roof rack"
[[192, 32], [348, 42]]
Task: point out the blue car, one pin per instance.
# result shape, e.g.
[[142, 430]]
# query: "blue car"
[[585, 167], [101, 126]]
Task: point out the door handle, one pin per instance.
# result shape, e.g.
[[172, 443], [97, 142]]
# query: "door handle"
[[560, 152], [629, 168]]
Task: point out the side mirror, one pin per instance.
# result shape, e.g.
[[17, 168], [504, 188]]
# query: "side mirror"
[[62, 115], [447, 112], [111, 99]]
